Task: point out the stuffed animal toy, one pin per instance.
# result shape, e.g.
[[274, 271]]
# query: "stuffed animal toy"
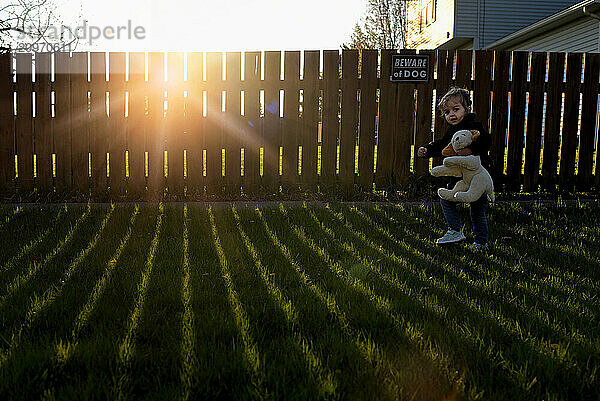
[[476, 180]]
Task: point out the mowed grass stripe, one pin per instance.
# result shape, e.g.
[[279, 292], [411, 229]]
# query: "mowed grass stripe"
[[126, 348], [325, 378], [443, 288], [545, 351], [189, 361], [64, 350], [37, 304], [342, 350], [581, 277], [524, 294], [250, 349], [34, 242], [4, 220], [371, 351], [510, 246], [476, 294], [218, 345], [21, 279]]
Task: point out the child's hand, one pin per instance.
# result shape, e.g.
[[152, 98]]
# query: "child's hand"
[[465, 152], [422, 151]]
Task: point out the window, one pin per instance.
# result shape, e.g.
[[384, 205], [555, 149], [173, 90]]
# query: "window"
[[427, 14]]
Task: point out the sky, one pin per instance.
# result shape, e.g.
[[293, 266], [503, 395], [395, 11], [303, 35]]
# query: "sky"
[[213, 25]]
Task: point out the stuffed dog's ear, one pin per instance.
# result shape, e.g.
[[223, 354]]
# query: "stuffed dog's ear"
[[475, 134], [449, 151]]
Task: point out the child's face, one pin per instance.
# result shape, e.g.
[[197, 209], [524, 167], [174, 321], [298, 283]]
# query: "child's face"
[[454, 111]]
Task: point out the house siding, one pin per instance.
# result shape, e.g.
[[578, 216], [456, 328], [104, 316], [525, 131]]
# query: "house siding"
[[496, 20], [465, 18], [578, 36], [501, 18]]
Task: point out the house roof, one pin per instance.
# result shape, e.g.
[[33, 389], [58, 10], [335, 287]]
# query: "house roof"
[[547, 24]]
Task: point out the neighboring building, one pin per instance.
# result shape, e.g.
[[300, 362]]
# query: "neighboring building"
[[574, 29], [472, 24]]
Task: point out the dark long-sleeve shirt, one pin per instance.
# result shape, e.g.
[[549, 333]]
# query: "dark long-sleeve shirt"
[[480, 147]]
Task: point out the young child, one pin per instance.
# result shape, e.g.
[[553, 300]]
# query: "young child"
[[456, 109]]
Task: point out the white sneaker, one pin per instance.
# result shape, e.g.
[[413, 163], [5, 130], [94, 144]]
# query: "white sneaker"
[[451, 237]]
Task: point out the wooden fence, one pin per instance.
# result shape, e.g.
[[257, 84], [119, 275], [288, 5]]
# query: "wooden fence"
[[213, 122]]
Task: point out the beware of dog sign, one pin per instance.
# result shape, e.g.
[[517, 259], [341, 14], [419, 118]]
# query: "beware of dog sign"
[[410, 68]]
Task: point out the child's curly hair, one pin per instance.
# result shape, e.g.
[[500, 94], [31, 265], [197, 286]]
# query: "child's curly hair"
[[454, 92]]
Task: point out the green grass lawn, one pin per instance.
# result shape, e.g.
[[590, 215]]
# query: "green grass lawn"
[[302, 303]]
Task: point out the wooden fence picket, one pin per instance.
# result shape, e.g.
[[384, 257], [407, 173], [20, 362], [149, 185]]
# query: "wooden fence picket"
[[330, 124], [136, 125], [79, 122], [533, 137], [24, 123], [368, 117], [423, 128], [194, 126], [174, 123], [569, 140], [310, 118], [213, 133], [251, 122], [464, 69], [7, 139], [271, 136], [554, 103], [62, 121], [291, 123], [349, 115], [98, 122], [498, 125], [156, 124], [43, 123], [232, 123], [403, 129], [517, 121], [588, 121], [387, 115], [117, 139], [483, 85]]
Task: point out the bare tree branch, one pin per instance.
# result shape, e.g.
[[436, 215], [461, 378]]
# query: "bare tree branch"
[[382, 27], [24, 23]]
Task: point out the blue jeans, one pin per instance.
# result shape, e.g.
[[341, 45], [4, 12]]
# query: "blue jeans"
[[478, 217]]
